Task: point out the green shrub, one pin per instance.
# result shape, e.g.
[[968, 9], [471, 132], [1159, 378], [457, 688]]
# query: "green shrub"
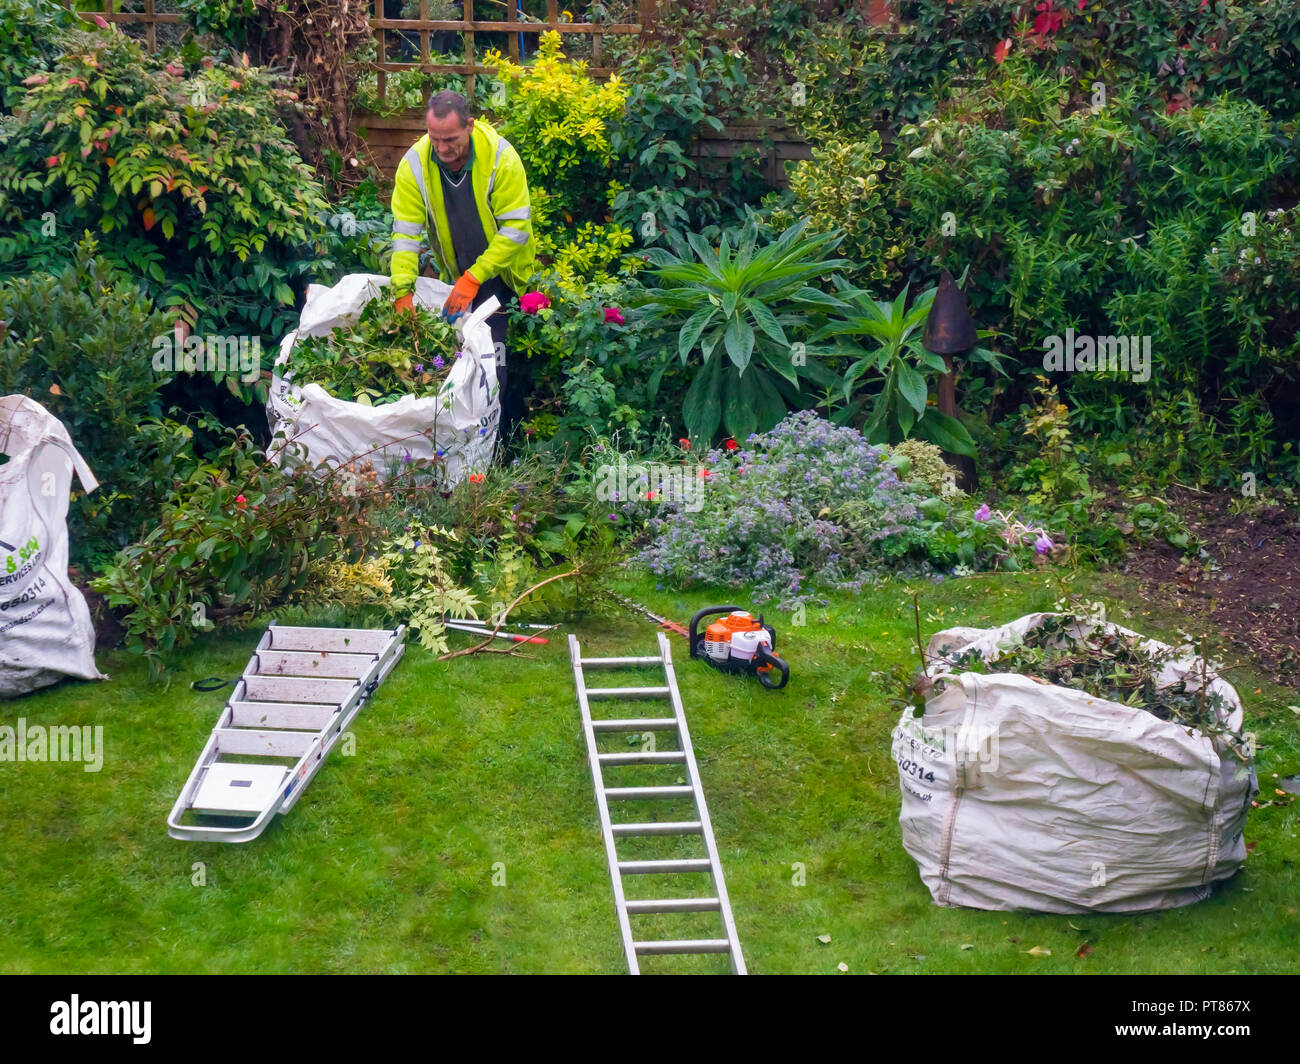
[[842, 188], [236, 535], [591, 357], [752, 300], [188, 177], [79, 343], [673, 96], [924, 464], [31, 34]]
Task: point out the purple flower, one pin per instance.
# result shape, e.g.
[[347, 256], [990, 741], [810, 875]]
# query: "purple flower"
[[982, 514], [406, 458], [438, 363], [612, 517], [1042, 544], [419, 367]]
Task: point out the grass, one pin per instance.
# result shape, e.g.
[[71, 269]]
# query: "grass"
[[475, 770]]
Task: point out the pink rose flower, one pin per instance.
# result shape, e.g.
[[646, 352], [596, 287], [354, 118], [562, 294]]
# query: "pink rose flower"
[[532, 302], [615, 316]]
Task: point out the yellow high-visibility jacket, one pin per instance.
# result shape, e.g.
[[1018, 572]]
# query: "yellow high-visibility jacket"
[[501, 191]]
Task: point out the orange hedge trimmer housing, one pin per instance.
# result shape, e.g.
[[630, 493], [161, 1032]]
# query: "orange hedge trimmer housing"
[[737, 643]]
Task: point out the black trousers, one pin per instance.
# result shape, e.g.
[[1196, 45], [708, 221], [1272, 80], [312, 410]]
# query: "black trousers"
[[511, 400]]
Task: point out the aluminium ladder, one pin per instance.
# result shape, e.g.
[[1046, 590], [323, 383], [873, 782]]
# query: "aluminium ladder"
[[684, 756], [299, 693]]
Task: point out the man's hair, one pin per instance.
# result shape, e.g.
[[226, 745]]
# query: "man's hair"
[[446, 102]]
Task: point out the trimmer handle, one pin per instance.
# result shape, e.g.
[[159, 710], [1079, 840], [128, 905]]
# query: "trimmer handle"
[[696, 636], [767, 661]]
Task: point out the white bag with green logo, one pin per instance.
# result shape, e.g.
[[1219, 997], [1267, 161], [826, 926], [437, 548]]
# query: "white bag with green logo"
[[45, 627]]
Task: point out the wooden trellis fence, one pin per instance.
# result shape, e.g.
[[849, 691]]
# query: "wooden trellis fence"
[[430, 45], [144, 14], [488, 16]]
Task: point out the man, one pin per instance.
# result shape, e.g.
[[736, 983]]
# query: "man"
[[465, 184]]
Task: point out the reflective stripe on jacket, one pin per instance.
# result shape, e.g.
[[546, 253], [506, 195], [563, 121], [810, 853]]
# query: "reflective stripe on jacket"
[[501, 192]]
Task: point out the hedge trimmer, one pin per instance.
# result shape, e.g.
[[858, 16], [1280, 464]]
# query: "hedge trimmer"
[[735, 643]]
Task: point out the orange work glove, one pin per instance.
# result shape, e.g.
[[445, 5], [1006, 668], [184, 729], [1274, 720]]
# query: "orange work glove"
[[405, 303], [462, 295]]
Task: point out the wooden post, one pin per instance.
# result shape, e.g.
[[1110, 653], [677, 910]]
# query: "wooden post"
[[512, 44], [647, 12], [880, 12], [426, 60], [381, 49], [469, 50]]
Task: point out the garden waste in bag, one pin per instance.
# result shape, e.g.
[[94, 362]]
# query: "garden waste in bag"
[[45, 628], [1020, 794], [463, 416]]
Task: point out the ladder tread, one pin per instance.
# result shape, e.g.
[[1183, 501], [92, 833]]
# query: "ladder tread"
[[618, 663], [683, 945]]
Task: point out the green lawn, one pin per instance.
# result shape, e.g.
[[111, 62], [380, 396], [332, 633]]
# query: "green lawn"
[[387, 862]]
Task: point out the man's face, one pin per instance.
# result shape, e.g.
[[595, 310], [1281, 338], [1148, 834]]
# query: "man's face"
[[449, 138]]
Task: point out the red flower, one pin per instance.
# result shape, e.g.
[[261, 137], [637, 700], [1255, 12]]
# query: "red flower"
[[731, 445], [476, 478], [650, 495], [686, 444], [52, 161], [240, 501], [614, 316], [532, 302], [703, 473], [1000, 52], [1084, 3]]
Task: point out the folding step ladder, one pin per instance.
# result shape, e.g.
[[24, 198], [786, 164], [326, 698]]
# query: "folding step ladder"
[[299, 693], [684, 756]]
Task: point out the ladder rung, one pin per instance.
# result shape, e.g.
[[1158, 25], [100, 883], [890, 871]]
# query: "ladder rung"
[[636, 724], [658, 827], [681, 864], [683, 945], [618, 663], [627, 692], [622, 794], [674, 905], [645, 757]]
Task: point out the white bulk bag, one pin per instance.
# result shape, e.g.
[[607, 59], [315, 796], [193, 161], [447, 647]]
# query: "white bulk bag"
[[465, 414], [45, 629], [1023, 795]]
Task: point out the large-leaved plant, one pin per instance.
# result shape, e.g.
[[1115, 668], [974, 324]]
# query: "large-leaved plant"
[[746, 308]]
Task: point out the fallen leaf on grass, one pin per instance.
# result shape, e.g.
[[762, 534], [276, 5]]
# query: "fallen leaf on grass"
[[1039, 951], [968, 945], [842, 966], [1083, 950], [826, 939]]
